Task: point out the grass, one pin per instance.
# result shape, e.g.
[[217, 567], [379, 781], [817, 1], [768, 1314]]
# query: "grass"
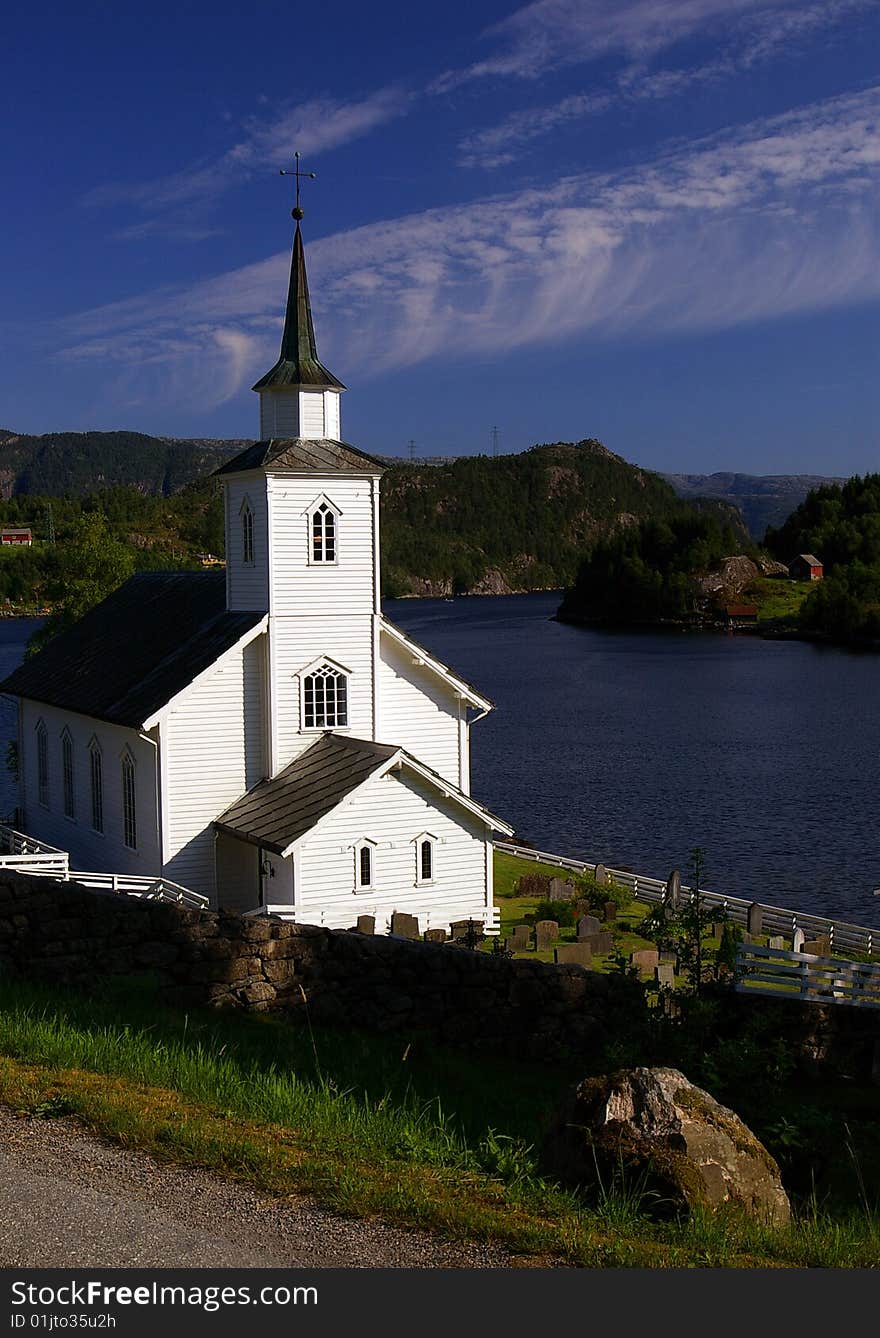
[[368, 1125], [778, 598]]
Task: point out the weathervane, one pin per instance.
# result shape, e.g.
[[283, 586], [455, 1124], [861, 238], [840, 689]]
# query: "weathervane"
[[297, 212]]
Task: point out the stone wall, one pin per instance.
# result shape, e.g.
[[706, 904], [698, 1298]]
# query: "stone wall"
[[68, 934]]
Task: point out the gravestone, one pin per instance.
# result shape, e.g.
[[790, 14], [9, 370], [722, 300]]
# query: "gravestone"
[[672, 897], [587, 926], [664, 975], [546, 932], [600, 943], [521, 937], [718, 928], [366, 924], [561, 889], [435, 935], [468, 932], [534, 885], [577, 953], [600, 873], [818, 947], [645, 959], [797, 941], [404, 926], [668, 955], [755, 918], [777, 941], [609, 911]]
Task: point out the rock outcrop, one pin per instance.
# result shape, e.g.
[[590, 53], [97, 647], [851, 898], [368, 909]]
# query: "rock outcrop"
[[666, 1136]]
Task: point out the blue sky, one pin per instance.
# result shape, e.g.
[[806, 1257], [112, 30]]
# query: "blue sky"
[[655, 223]]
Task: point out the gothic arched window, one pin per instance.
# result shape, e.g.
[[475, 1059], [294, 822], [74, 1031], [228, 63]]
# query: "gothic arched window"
[[96, 777], [325, 698], [247, 534], [323, 533], [129, 801], [42, 763], [67, 775]]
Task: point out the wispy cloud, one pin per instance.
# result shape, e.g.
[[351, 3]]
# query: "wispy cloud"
[[549, 34], [755, 33], [311, 127], [780, 217]]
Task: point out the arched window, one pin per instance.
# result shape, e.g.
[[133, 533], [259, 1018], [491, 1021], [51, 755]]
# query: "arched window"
[[67, 775], [364, 865], [424, 849], [42, 764], [247, 534], [325, 698], [323, 527], [96, 778], [129, 801]]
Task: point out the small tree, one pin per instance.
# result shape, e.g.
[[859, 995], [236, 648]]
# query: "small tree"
[[694, 922]]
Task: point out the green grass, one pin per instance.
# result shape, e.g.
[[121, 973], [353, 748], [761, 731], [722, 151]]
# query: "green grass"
[[367, 1124], [778, 598]]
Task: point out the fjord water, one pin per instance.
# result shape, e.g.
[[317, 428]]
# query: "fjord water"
[[632, 748]]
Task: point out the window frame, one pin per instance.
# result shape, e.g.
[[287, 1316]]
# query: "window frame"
[[429, 839], [42, 735], [128, 769], [68, 776], [96, 790], [246, 516], [324, 668], [322, 504], [364, 846]]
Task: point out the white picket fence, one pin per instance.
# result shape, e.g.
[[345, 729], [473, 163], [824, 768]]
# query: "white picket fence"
[[27, 855], [843, 936], [797, 975]]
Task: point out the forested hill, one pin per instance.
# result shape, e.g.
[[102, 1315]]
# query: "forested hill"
[[79, 463], [515, 522]]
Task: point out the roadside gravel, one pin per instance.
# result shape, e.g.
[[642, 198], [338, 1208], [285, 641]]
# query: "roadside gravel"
[[69, 1200]]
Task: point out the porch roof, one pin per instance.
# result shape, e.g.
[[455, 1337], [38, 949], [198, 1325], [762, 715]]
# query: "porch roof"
[[277, 812]]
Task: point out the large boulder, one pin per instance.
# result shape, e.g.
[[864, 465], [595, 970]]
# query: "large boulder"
[[657, 1132]]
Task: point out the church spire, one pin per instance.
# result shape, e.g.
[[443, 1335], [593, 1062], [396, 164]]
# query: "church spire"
[[298, 363]]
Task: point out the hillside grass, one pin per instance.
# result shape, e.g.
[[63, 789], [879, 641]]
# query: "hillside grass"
[[777, 598], [368, 1125]]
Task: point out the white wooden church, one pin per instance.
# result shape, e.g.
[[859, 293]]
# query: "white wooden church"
[[266, 737]]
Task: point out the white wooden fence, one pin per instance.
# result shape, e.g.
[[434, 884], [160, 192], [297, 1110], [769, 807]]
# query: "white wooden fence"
[[798, 975], [135, 885], [28, 855], [843, 936]]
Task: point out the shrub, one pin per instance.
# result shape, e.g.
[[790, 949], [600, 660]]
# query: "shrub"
[[595, 895], [563, 912], [534, 885]]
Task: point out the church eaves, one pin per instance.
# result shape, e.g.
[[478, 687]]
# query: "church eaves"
[[303, 454], [298, 363]]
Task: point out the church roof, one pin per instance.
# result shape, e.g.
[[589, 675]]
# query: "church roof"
[[277, 812], [302, 453], [298, 363], [131, 654]]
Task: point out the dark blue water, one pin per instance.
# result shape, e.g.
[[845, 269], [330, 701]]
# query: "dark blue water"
[[633, 748]]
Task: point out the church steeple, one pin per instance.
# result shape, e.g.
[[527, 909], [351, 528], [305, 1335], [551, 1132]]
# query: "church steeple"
[[299, 397], [298, 363]]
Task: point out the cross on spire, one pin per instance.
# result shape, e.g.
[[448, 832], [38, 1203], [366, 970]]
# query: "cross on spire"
[[297, 212]]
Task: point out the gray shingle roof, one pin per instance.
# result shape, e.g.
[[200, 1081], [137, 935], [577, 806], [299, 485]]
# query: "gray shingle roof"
[[303, 453], [135, 651], [277, 812]]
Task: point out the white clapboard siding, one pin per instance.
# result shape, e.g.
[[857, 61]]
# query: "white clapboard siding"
[[279, 414], [392, 812], [214, 744], [331, 415], [419, 712], [247, 584], [238, 874], [89, 849], [300, 587], [297, 644], [311, 410]]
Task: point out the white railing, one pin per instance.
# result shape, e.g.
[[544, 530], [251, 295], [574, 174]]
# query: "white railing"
[[843, 936], [18, 851], [785, 975], [136, 885]]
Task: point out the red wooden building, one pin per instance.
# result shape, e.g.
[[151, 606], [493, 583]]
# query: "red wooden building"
[[805, 567], [11, 534]]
